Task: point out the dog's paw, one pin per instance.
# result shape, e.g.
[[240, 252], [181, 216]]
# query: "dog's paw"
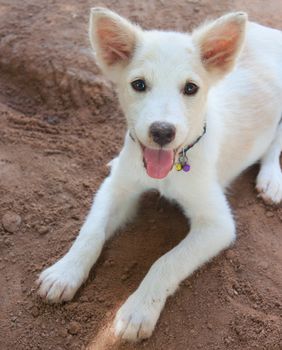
[[269, 186], [59, 282], [136, 319]]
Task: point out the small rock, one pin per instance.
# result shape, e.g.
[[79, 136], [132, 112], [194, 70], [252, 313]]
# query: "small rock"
[[124, 277], [187, 283], [11, 221], [63, 333], [109, 262], [269, 214], [100, 299], [71, 307], [209, 326], [85, 184], [35, 311], [230, 254], [14, 319], [84, 299], [43, 230], [109, 304], [51, 119], [74, 327], [7, 242], [264, 265], [228, 340]]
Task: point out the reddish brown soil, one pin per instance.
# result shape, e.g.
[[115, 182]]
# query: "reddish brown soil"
[[58, 130]]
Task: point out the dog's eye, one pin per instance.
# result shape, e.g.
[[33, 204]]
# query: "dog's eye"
[[139, 85], [190, 89]]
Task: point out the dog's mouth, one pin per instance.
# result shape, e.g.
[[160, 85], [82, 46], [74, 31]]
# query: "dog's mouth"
[[158, 162]]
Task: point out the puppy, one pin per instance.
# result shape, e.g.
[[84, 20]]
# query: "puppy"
[[200, 108]]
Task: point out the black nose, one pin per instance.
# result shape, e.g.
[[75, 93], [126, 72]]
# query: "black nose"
[[162, 133]]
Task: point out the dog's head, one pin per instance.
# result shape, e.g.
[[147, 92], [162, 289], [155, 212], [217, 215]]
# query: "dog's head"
[[163, 78]]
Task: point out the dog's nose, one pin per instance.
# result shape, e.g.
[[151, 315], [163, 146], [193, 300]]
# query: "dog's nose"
[[162, 133]]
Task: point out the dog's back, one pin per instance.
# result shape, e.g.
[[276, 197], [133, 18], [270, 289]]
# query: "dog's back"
[[249, 101]]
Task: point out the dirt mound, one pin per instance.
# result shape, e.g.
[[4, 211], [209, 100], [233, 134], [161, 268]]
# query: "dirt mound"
[[58, 122]]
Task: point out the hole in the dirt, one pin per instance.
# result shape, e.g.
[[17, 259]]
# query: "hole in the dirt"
[[19, 95]]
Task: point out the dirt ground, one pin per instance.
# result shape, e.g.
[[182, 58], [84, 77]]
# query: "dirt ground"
[[58, 122]]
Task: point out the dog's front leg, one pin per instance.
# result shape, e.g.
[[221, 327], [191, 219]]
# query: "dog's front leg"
[[212, 229], [112, 206]]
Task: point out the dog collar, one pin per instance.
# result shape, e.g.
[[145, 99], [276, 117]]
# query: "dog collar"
[[182, 163]]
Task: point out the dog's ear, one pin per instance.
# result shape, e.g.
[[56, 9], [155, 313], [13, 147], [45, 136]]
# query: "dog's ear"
[[220, 42], [113, 39]]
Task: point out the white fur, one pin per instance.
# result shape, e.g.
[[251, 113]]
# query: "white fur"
[[242, 108]]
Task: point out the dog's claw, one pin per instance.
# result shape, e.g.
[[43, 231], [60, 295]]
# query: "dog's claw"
[[136, 320], [269, 186], [60, 282]]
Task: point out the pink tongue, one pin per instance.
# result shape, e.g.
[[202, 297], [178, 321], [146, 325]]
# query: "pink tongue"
[[158, 162]]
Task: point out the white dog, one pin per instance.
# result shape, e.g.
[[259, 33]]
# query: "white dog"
[[200, 109]]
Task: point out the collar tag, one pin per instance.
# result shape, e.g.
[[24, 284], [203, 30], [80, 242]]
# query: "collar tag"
[[182, 163]]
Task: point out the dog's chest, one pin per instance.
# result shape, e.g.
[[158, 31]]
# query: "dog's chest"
[[170, 187]]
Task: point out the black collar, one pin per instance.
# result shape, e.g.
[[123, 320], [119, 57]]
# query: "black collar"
[[185, 149]]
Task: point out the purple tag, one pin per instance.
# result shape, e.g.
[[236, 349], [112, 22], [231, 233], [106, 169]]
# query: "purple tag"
[[186, 167]]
